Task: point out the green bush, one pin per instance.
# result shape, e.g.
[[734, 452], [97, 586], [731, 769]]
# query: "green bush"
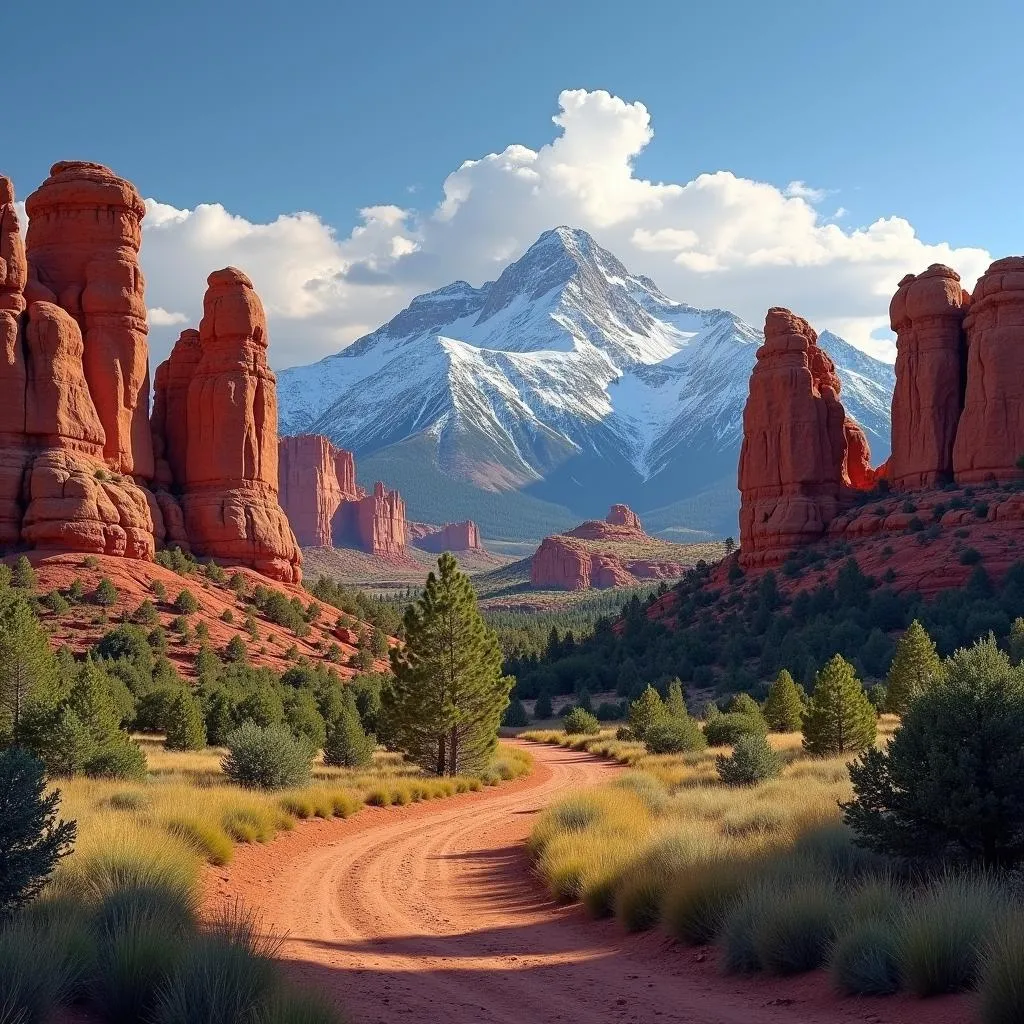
[[796, 929], [120, 759], [106, 593], [753, 760], [581, 723], [267, 757], [515, 714], [675, 736], [185, 603], [864, 961], [725, 730], [32, 839], [542, 708], [699, 900]]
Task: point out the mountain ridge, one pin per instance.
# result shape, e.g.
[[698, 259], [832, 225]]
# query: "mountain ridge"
[[567, 381]]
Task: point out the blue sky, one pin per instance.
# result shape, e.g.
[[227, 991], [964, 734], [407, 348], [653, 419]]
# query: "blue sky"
[[903, 109]]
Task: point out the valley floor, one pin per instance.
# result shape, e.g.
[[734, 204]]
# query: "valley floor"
[[432, 913]]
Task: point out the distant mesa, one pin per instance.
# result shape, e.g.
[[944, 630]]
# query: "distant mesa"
[[615, 552], [84, 466], [454, 537], [805, 474]]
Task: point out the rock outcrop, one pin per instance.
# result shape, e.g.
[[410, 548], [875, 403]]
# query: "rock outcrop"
[[990, 434], [623, 515], [463, 536], [315, 478], [621, 523], [927, 314], [375, 523], [793, 471], [220, 444]]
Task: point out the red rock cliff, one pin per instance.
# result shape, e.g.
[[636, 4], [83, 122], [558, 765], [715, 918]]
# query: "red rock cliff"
[[375, 523], [927, 314], [793, 471], [315, 477], [227, 474], [990, 434], [450, 537]]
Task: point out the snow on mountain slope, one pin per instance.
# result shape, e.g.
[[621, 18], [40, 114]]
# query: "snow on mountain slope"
[[567, 377]]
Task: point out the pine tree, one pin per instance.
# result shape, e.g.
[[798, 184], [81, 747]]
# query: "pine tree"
[[24, 576], [28, 669], [1017, 641], [915, 666], [646, 711], [106, 593], [783, 709], [840, 718], [448, 694], [347, 744], [32, 840], [184, 727], [676, 703], [542, 707]]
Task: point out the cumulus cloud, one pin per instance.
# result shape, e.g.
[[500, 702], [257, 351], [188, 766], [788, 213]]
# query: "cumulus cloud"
[[719, 240], [160, 317]]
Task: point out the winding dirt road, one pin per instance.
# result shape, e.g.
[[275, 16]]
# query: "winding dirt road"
[[431, 914]]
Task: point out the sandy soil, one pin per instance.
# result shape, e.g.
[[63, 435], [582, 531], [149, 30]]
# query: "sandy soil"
[[430, 913]]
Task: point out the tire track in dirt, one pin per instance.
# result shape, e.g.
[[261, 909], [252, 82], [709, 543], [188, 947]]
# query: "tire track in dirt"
[[431, 914]]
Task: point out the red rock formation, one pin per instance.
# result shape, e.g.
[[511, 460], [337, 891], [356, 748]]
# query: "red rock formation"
[[927, 314], [450, 537], [169, 418], [315, 477], [229, 483], [793, 458], [990, 434], [375, 523], [623, 515], [85, 228], [558, 564], [859, 475]]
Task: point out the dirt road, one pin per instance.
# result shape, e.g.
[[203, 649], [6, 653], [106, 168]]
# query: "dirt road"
[[431, 914]]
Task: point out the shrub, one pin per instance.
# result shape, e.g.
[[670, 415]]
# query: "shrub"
[[840, 719], [1001, 979], [38, 966], [970, 556], [542, 708], [76, 591], [607, 711], [32, 840], [951, 781], [106, 593], [515, 714], [675, 736], [158, 590], [752, 761], [120, 759], [864, 961], [23, 576], [796, 928], [945, 930], [640, 892], [726, 730], [581, 723], [145, 614], [267, 757], [698, 901], [185, 603], [236, 650], [55, 602], [739, 952]]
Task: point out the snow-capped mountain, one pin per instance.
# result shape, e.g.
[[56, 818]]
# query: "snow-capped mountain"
[[542, 397]]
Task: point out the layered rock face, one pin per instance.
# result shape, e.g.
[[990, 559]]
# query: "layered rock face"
[[375, 523], [315, 478], [793, 471], [927, 314], [621, 523], [990, 434], [450, 537], [218, 433]]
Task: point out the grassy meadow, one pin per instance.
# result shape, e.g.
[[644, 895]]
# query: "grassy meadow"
[[770, 876]]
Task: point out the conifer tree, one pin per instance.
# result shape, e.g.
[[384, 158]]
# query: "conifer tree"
[[840, 719], [783, 709], [184, 728], [347, 744], [915, 666], [646, 711], [1017, 641], [676, 703], [448, 694], [29, 684], [24, 576]]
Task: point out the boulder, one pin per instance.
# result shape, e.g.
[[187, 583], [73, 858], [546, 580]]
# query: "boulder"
[[990, 434], [84, 233], [793, 457], [927, 314]]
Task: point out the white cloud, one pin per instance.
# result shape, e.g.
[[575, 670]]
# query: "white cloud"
[[160, 317], [720, 240]]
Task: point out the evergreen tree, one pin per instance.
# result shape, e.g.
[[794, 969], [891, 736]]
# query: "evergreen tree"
[[28, 670], [783, 709], [106, 593], [32, 840], [915, 666], [542, 707], [676, 703], [515, 715], [1016, 641], [645, 712], [347, 744], [24, 576], [840, 718], [448, 693], [184, 727]]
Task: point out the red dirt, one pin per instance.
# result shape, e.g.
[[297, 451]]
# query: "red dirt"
[[431, 913]]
